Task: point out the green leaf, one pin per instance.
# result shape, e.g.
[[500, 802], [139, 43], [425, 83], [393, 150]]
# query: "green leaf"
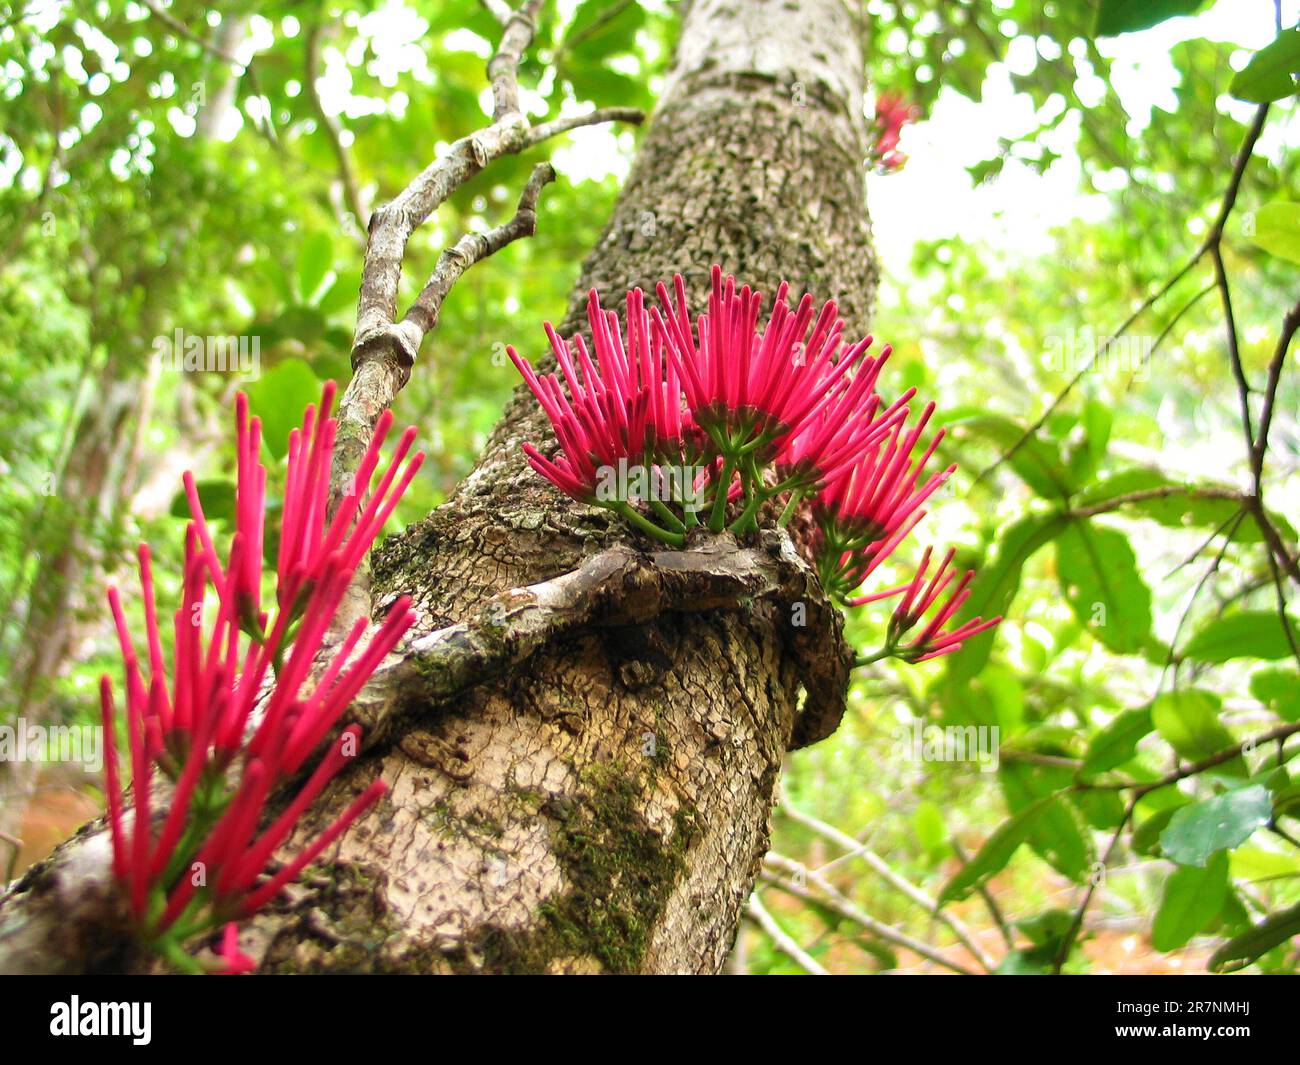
[[1246, 634], [608, 87], [1279, 690], [342, 294], [1192, 899], [1117, 742], [217, 498], [279, 397], [1252, 862], [1037, 962], [1274, 931], [1181, 509], [1037, 461], [996, 852], [1099, 576], [1125, 16], [1195, 832], [1189, 722], [1146, 836], [1270, 73], [927, 823], [1277, 230], [1056, 834], [1047, 929], [1103, 809], [602, 28], [996, 585], [315, 255], [1098, 421]]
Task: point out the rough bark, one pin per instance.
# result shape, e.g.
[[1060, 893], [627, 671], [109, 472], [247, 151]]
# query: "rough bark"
[[583, 740]]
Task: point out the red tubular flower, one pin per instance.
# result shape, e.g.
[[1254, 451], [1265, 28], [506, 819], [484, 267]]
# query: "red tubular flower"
[[235, 962], [624, 405], [892, 114], [919, 595], [846, 425], [190, 720], [785, 410], [750, 389], [881, 493], [867, 509]]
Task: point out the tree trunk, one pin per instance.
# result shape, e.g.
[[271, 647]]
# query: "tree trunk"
[[92, 485], [582, 769]]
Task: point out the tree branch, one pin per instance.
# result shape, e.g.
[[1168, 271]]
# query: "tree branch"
[[782, 939], [503, 68], [632, 115], [378, 338], [1105, 506], [622, 585], [474, 247], [1290, 323], [897, 882], [832, 899]]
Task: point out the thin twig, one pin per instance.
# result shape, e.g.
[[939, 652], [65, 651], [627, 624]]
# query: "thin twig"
[[590, 30], [899, 883], [633, 116], [790, 876], [503, 68], [1212, 241], [1105, 506], [990, 903], [1209, 762], [1067, 941], [781, 939], [474, 247], [1290, 323]]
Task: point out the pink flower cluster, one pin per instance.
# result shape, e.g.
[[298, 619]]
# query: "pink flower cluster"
[[786, 410], [892, 114], [198, 862], [918, 597], [625, 404]]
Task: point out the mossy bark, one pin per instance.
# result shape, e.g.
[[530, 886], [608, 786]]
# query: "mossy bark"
[[603, 808]]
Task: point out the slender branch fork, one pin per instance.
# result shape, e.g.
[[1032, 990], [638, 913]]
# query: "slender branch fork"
[[385, 346], [781, 939], [1211, 244], [791, 877], [853, 848]]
